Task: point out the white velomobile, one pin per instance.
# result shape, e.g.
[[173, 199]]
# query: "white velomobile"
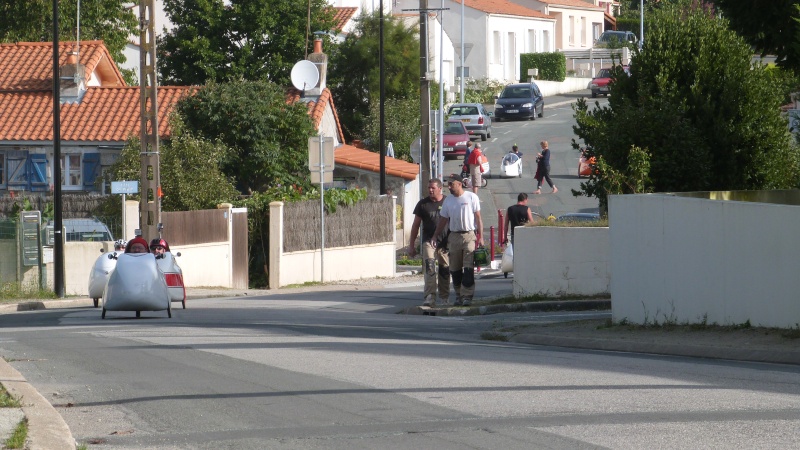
[[137, 284], [173, 276], [99, 275], [511, 165]]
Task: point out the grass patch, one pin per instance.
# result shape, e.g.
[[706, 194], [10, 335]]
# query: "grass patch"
[[81, 447], [544, 298], [571, 223], [17, 439], [12, 291], [406, 261], [7, 401], [306, 284]]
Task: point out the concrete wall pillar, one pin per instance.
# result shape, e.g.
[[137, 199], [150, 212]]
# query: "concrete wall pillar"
[[275, 243]]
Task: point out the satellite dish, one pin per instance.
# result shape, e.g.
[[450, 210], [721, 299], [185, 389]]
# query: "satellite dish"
[[304, 75]]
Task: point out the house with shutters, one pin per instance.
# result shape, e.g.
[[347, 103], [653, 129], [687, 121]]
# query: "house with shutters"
[[98, 114]]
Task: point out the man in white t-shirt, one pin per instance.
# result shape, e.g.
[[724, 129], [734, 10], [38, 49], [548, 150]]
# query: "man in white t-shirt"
[[461, 213]]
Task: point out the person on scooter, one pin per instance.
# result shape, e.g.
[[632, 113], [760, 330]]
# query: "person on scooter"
[[137, 245], [159, 246]]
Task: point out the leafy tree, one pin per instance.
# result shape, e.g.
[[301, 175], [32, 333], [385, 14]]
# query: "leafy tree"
[[32, 21], [402, 125], [190, 175], [771, 27], [354, 73], [267, 139], [243, 40], [708, 119]]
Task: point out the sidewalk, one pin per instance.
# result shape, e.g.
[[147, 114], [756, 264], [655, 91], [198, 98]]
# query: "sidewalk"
[[47, 430]]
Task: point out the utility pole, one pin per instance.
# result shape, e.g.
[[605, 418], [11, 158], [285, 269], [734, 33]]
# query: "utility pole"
[[424, 98], [150, 201]]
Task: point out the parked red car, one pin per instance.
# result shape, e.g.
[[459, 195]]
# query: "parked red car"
[[454, 139], [601, 83]]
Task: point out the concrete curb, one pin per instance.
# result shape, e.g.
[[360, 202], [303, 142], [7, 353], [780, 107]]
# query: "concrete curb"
[[46, 428], [477, 310], [697, 351]]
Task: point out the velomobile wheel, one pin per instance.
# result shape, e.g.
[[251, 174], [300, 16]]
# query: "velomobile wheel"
[[169, 313], [96, 302], [184, 303], [138, 314], [104, 314]]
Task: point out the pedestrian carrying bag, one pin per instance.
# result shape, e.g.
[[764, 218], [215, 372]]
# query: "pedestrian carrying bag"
[[484, 163], [481, 256], [507, 263]]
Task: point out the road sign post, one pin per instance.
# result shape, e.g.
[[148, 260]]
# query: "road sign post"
[[124, 188], [320, 163]]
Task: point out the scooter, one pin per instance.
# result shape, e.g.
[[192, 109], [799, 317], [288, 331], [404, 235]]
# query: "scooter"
[[467, 178], [511, 165]]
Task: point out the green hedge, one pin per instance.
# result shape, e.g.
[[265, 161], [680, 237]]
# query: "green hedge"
[[552, 66], [629, 24]]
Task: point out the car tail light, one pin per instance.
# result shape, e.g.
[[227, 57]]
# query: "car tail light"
[[173, 279], [480, 120]]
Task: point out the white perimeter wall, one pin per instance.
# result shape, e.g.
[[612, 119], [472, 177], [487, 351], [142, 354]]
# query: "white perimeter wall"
[[686, 259], [561, 261], [342, 263]]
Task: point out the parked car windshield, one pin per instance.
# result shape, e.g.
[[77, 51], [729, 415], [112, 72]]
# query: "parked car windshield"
[[463, 111], [604, 73], [517, 92], [454, 128]]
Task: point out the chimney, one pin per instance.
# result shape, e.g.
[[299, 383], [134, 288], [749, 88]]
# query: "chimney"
[[321, 61], [72, 80]]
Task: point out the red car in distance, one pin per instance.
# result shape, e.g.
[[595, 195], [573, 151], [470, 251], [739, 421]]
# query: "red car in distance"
[[454, 139], [601, 83]]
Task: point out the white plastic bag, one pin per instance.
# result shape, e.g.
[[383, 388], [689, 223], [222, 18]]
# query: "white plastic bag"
[[507, 263]]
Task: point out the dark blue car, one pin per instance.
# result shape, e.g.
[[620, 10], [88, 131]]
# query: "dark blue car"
[[519, 101]]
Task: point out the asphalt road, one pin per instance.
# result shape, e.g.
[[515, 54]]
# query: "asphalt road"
[[341, 370], [556, 128]]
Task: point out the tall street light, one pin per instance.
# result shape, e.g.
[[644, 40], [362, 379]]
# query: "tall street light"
[[58, 244], [641, 23], [461, 77]]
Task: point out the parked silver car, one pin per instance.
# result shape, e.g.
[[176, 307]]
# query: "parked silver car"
[[474, 117]]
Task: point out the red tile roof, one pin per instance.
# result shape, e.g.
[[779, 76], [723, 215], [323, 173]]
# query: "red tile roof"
[[104, 114], [505, 7], [347, 155], [316, 109], [575, 3], [342, 15], [28, 66]]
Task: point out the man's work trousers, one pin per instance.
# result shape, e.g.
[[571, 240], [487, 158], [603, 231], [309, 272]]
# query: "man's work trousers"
[[462, 248], [436, 278]]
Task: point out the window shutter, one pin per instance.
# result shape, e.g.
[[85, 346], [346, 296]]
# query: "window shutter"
[[17, 173], [37, 172], [91, 170]]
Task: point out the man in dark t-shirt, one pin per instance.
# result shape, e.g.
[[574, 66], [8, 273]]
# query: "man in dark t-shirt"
[[426, 213], [517, 215]]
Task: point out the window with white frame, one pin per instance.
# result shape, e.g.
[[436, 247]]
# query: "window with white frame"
[[597, 30], [571, 23], [498, 48], [531, 41], [545, 41], [583, 31], [71, 175]]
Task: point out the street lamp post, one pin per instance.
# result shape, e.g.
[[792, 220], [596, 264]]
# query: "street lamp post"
[[461, 75], [641, 23]]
